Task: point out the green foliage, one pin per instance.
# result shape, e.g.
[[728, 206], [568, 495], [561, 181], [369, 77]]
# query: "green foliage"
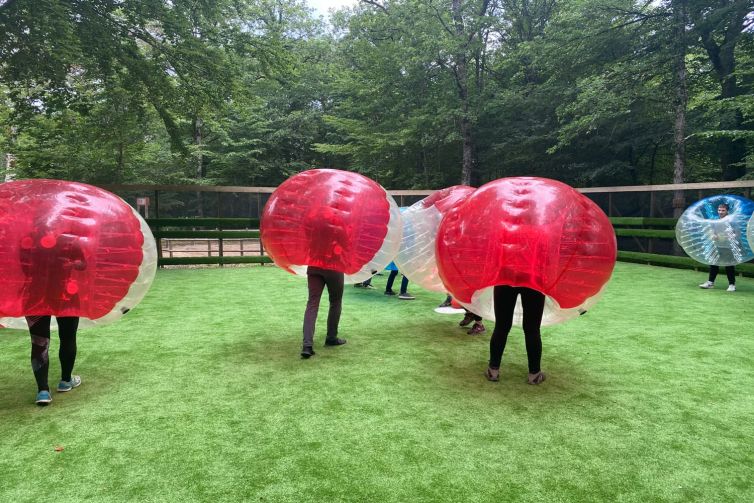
[[249, 92]]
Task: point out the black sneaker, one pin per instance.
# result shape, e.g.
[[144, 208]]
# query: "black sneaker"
[[389, 292], [477, 329], [334, 342], [467, 319], [307, 352]]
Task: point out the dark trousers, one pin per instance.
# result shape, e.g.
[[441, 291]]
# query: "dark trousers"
[[730, 271], [39, 328], [317, 279], [391, 280], [533, 303]]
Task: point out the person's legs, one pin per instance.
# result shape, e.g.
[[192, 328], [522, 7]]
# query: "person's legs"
[[390, 280], [67, 328], [404, 284], [334, 281], [713, 270], [730, 271], [316, 285], [533, 303], [404, 295], [505, 302], [710, 283], [39, 329]]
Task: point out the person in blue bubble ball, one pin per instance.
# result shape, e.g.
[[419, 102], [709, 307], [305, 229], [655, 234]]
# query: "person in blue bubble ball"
[[722, 241]]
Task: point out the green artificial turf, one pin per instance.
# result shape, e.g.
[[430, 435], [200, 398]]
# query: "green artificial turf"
[[199, 394]]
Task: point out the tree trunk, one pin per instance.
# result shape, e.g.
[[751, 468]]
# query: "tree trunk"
[[121, 160], [723, 59], [732, 151], [633, 168], [8, 164], [7, 159], [652, 163], [468, 146], [197, 125], [679, 128], [461, 77], [422, 166]]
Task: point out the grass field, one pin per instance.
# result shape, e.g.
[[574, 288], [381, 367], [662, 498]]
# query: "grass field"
[[199, 394]]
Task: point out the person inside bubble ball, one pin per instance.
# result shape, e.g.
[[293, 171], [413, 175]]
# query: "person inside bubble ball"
[[57, 257], [722, 241], [317, 279], [403, 295], [533, 303]]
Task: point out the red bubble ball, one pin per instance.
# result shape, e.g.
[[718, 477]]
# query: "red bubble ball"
[[70, 249], [331, 219], [528, 232]]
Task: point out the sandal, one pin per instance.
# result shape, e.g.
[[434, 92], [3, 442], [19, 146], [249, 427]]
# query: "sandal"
[[536, 378], [492, 374]]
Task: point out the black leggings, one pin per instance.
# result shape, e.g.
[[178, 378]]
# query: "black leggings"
[[39, 328], [730, 271], [318, 279], [533, 303]]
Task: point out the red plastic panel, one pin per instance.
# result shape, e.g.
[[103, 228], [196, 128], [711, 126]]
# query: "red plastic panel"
[[448, 198]]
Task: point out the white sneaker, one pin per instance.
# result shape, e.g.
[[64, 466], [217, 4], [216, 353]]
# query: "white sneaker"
[[707, 284], [731, 288]]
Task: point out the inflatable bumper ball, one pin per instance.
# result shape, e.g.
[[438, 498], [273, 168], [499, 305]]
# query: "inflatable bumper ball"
[[712, 240], [71, 249], [527, 232], [416, 258], [334, 220]]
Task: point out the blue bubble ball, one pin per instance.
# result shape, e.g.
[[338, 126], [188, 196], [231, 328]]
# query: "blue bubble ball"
[[716, 239]]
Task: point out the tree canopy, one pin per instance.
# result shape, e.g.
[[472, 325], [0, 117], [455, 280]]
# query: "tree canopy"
[[414, 93]]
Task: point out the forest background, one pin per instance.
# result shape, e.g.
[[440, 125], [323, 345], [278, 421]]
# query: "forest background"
[[413, 93]]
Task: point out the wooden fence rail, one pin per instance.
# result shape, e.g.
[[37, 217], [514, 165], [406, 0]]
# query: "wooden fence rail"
[[168, 231]]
